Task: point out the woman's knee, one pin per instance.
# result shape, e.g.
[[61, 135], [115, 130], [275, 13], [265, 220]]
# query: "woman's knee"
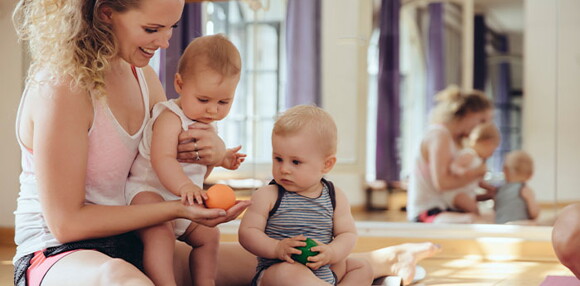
[[119, 272]]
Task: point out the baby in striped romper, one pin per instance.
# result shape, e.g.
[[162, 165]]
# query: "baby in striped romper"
[[300, 204]]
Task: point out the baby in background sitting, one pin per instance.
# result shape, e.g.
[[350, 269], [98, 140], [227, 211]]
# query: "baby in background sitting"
[[481, 144], [515, 201]]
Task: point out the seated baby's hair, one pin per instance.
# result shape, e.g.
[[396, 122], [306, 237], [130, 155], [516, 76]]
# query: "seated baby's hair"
[[299, 117], [520, 163]]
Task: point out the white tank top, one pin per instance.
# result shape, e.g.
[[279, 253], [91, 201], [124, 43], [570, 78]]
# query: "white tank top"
[[111, 152], [422, 194], [142, 176]]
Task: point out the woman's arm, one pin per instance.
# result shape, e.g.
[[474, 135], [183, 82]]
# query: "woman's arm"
[[436, 148], [60, 143]]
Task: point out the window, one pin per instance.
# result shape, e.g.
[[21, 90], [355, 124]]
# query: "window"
[[259, 96]]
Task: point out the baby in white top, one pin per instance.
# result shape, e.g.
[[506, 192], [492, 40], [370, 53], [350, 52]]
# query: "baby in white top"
[[481, 144]]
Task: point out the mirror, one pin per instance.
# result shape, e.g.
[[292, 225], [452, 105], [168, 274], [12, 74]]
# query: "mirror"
[[348, 47]]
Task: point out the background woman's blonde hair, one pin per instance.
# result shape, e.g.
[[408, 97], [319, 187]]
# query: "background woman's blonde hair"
[[454, 104], [215, 52], [301, 117], [68, 39]]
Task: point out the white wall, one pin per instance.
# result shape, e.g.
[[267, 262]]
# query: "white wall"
[[568, 102], [551, 91], [346, 29], [11, 77]]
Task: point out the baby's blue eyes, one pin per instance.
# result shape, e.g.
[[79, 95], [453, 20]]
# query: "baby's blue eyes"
[[295, 162]]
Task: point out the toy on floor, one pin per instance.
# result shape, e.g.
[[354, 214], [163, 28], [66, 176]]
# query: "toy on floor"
[[220, 196], [306, 252]]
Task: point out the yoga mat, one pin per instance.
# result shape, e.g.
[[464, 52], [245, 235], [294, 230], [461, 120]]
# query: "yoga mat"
[[560, 281]]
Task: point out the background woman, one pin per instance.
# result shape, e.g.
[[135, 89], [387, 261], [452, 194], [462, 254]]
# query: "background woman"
[[455, 115]]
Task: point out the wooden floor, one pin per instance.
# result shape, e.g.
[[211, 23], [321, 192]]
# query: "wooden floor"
[[440, 271]]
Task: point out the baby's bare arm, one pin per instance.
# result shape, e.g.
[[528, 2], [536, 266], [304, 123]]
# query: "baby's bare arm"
[[344, 229], [251, 232], [166, 130], [529, 197]]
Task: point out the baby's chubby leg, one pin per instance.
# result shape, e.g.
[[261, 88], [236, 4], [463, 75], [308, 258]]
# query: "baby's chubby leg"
[[158, 245], [465, 202], [290, 274], [203, 257]]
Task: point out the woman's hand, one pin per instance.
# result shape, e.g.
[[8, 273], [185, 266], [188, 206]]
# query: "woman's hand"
[[213, 217], [200, 144]]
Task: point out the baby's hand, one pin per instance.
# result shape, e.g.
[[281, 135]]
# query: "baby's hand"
[[233, 159], [324, 256], [286, 247], [191, 194]]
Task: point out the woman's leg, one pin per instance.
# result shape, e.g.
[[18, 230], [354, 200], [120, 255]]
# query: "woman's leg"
[[90, 267], [236, 266], [399, 260]]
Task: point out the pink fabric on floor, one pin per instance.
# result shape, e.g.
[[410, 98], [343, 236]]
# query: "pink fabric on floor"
[[560, 281]]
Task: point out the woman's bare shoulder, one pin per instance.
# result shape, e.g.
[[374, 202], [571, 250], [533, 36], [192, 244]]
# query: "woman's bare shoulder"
[[156, 92]]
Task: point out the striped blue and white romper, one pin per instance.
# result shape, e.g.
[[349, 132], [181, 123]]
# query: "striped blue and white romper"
[[293, 215]]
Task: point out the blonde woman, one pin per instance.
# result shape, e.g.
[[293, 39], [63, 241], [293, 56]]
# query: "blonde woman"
[[87, 98], [456, 114]]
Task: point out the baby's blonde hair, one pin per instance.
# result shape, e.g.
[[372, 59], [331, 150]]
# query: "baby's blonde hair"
[[68, 39], [301, 117], [484, 132], [454, 104], [215, 52], [519, 163]]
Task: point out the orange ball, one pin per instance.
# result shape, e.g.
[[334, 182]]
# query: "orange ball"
[[220, 196]]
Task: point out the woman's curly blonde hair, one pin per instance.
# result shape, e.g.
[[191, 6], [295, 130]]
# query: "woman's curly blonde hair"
[[454, 103], [68, 39]]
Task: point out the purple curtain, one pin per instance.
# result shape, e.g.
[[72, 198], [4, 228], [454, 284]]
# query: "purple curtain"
[[435, 53], [188, 28], [388, 119], [303, 52], [479, 54], [503, 102]]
